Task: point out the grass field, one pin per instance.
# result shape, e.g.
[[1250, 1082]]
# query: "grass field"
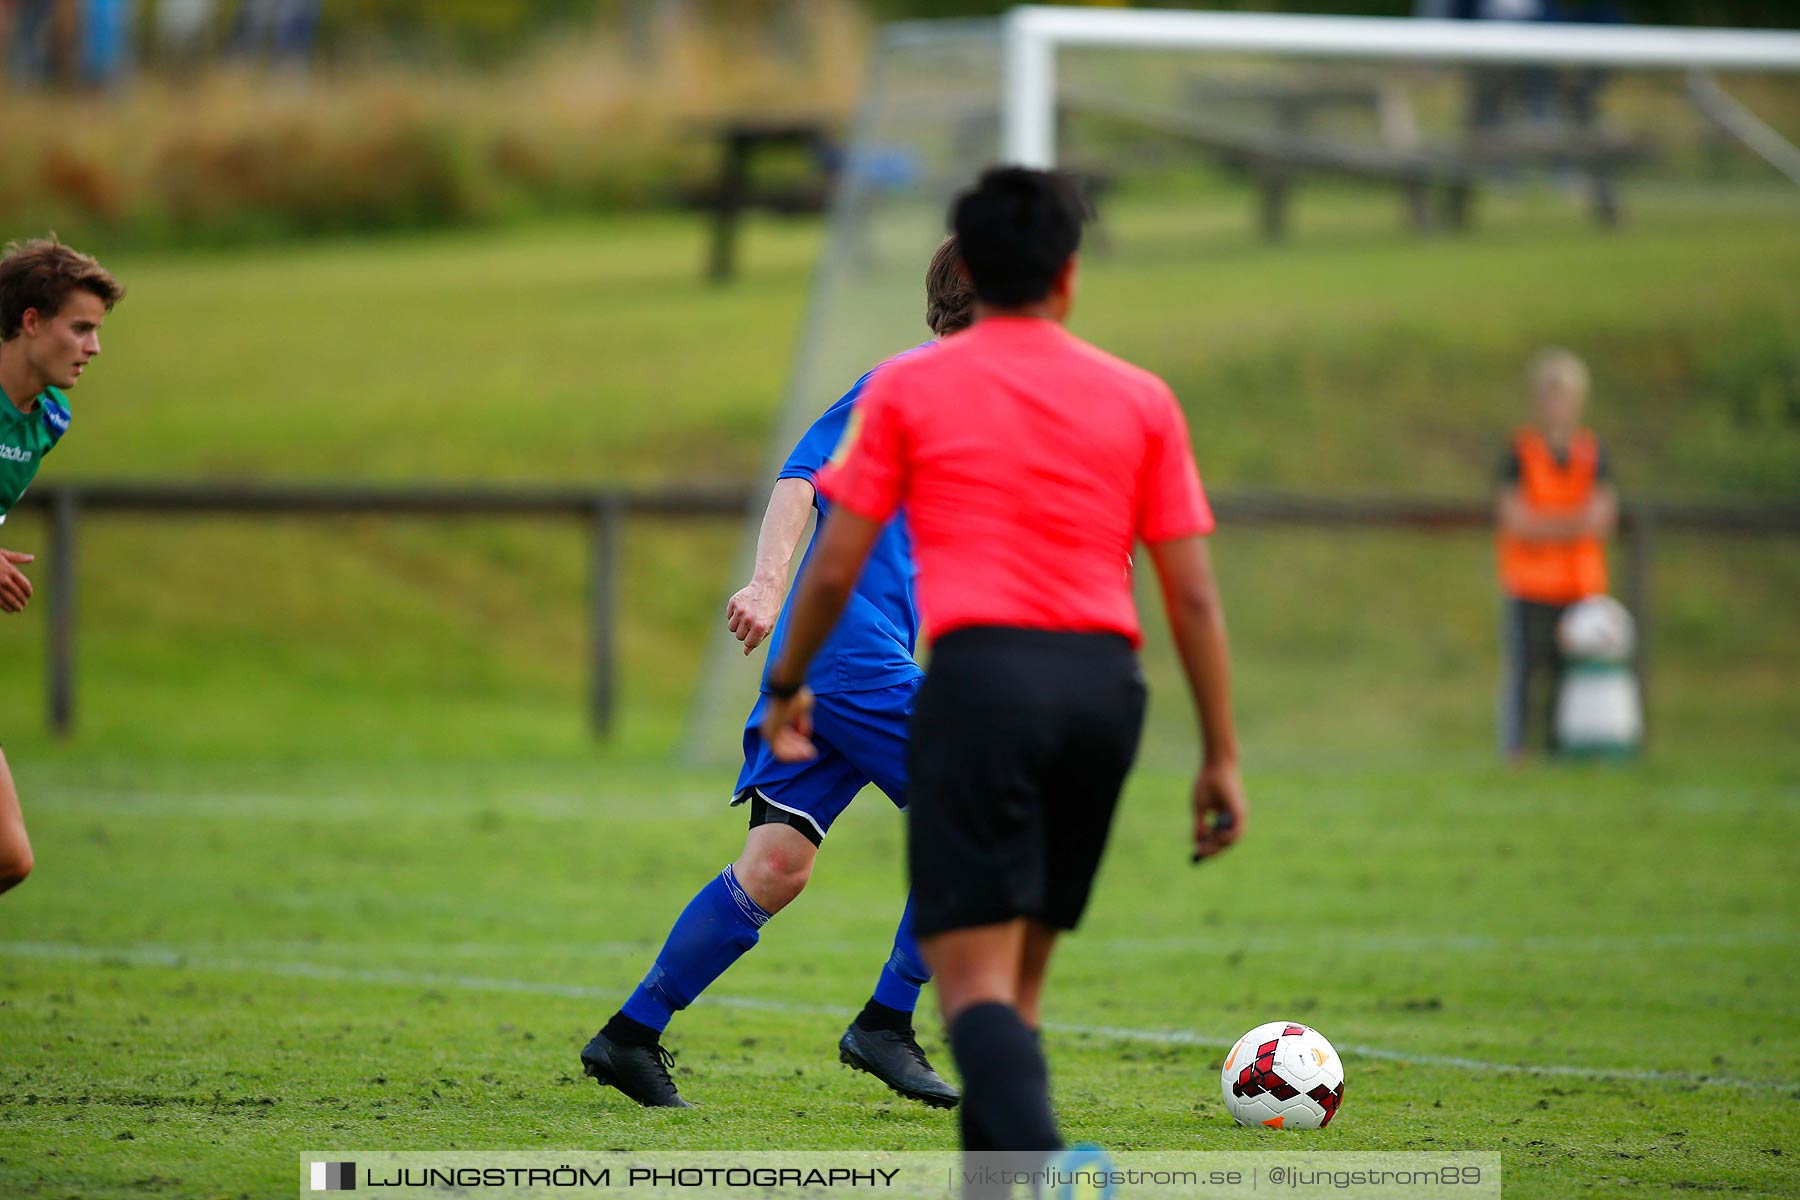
[[1355, 359], [1594, 973], [331, 863]]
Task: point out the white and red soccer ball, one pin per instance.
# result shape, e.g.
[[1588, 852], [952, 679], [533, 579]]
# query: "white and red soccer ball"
[[1283, 1075]]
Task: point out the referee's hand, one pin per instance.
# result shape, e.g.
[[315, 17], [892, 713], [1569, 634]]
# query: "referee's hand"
[[1218, 809], [787, 727]]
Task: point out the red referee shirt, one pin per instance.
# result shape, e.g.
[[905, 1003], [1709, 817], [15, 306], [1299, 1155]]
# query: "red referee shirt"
[[1028, 462]]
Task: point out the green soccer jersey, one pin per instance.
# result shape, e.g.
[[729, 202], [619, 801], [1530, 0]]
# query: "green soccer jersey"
[[24, 440]]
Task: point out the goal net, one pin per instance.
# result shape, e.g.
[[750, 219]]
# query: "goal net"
[[1340, 239]]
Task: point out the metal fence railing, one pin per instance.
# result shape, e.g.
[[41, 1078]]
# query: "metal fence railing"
[[606, 509]]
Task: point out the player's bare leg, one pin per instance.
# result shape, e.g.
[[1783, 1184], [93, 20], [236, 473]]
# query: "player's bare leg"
[[979, 965], [776, 864], [718, 926], [1006, 1088], [15, 846], [1034, 965]]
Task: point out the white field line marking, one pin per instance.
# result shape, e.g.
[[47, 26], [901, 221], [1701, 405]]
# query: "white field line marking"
[[1179, 1037], [685, 801], [1472, 942], [329, 806], [1078, 948], [163, 956]]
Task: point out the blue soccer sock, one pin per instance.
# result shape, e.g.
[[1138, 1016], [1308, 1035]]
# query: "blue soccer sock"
[[905, 971], [712, 932]]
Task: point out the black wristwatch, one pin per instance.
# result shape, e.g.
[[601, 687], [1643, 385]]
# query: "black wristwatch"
[[781, 691]]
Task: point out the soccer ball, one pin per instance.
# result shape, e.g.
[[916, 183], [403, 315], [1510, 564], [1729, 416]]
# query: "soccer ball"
[[1283, 1075], [1598, 629]]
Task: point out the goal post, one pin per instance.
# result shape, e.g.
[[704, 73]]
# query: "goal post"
[[1033, 34]]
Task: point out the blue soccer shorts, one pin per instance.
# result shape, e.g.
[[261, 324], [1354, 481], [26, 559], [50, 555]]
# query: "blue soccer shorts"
[[861, 739]]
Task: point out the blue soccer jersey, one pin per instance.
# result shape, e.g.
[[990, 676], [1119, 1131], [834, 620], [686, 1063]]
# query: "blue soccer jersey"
[[872, 645]]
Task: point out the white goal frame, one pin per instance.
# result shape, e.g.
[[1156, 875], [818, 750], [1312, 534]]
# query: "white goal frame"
[[1032, 35]]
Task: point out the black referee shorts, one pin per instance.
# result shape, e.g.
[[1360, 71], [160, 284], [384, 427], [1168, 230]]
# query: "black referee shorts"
[[1021, 739]]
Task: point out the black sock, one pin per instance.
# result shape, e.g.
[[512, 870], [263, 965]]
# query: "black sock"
[[975, 1139], [877, 1016], [1006, 1087], [979, 1156], [623, 1031]]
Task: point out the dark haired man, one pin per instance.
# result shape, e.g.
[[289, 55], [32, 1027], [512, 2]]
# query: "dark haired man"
[[865, 679], [1029, 463], [53, 301]]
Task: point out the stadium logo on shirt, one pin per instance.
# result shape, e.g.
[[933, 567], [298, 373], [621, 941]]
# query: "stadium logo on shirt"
[[852, 430], [14, 454]]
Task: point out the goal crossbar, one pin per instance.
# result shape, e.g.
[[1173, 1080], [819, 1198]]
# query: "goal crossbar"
[[1034, 33]]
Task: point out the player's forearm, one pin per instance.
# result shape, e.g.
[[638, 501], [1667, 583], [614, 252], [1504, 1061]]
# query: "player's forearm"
[[1535, 528], [784, 521], [1603, 512], [1543, 528], [1517, 518], [1197, 621], [1206, 659], [1521, 521]]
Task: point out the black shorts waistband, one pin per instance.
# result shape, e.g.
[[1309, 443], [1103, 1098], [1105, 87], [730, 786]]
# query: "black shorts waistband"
[[1012, 637]]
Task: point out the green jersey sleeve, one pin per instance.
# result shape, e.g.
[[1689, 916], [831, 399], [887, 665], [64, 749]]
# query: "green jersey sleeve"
[[25, 437]]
